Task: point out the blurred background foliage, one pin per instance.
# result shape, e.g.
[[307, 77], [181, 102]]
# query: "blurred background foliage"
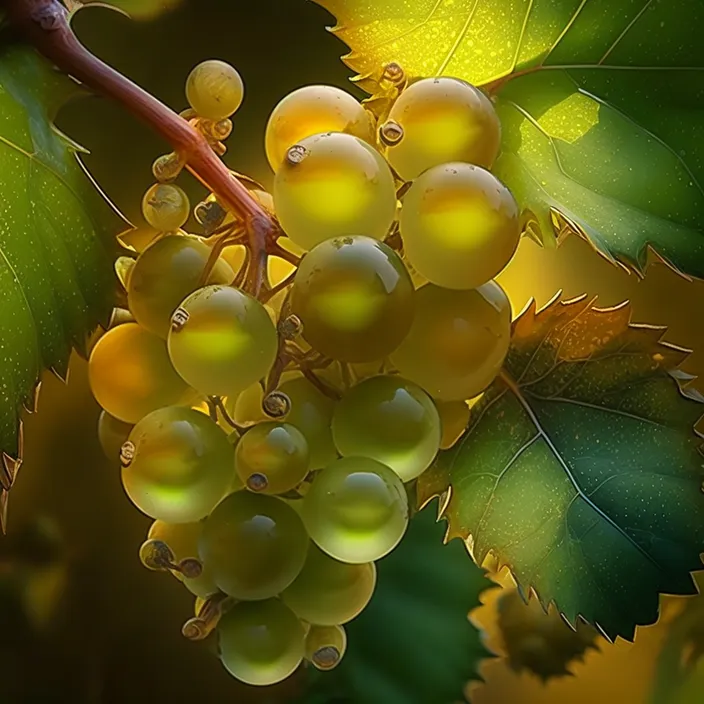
[[82, 621]]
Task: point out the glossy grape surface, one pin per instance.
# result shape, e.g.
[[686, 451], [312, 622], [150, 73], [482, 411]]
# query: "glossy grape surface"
[[354, 298], [214, 90], [165, 207], [325, 646]]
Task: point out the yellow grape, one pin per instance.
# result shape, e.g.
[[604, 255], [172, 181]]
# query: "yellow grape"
[[165, 207], [214, 90], [326, 646]]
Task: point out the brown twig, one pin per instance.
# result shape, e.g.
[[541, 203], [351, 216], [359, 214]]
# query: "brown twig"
[[45, 24]]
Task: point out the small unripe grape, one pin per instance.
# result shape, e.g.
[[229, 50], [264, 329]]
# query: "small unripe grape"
[[356, 510], [131, 375], [390, 420], [214, 90], [454, 419], [325, 646], [222, 340], [460, 226], [112, 434], [314, 110], [272, 458], [333, 185], [254, 544], [354, 298], [261, 642], [177, 465], [458, 340], [165, 207], [329, 592], [441, 120], [165, 273]]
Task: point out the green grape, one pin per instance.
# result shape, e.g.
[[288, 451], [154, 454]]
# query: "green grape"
[[354, 298], [261, 642], [214, 90], [311, 412], [255, 545], [356, 510], [165, 207], [165, 273], [390, 420], [182, 539], [177, 465], [222, 340], [112, 434], [441, 120], [326, 646], [314, 110], [329, 592], [272, 458], [130, 374], [458, 341], [459, 225], [246, 408], [333, 185]]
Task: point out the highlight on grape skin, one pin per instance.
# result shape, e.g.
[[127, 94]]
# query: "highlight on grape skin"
[[273, 422]]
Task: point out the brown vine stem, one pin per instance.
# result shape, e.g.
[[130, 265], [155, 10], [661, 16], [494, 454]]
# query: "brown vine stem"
[[45, 24]]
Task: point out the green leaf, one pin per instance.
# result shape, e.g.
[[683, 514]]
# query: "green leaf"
[[55, 273], [601, 101], [137, 9], [414, 643], [581, 469]]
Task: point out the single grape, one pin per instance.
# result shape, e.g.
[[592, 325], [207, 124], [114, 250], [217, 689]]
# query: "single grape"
[[354, 298], [459, 225], [182, 539], [314, 110], [130, 374], [325, 646], [165, 207], [390, 420], [356, 510], [311, 412], [454, 419], [261, 642], [255, 545], [329, 592], [272, 458], [214, 90], [333, 185], [177, 465], [441, 120], [222, 340], [112, 434], [458, 341], [245, 408], [165, 273]]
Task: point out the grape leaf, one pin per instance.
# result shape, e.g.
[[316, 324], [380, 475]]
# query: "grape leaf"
[[137, 9], [581, 468], [601, 102], [414, 643], [55, 272]]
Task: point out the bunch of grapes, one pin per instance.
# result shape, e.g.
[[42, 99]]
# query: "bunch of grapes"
[[273, 432]]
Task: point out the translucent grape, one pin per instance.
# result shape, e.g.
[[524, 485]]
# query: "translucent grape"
[[333, 185], [442, 120], [177, 465], [329, 592], [314, 110], [261, 642], [459, 225], [356, 510], [165, 207], [311, 412], [214, 90], [458, 341], [112, 434], [325, 646], [131, 375], [255, 545], [222, 340], [272, 458], [454, 419], [390, 420], [165, 273], [182, 539], [354, 298]]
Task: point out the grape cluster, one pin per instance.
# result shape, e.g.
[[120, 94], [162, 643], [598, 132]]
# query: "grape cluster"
[[273, 434]]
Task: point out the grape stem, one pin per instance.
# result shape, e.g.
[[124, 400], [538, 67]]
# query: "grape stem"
[[45, 24]]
